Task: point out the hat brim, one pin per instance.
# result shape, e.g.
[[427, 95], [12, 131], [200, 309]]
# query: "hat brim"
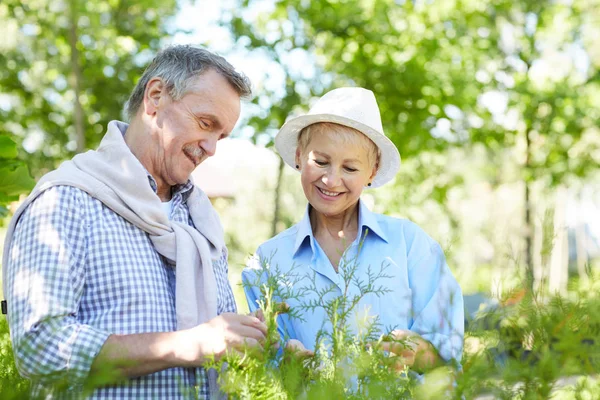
[[286, 143]]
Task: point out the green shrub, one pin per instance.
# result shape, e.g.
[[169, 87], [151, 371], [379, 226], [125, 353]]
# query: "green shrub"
[[12, 386], [530, 347]]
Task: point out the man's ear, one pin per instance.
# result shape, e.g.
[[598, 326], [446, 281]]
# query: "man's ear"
[[155, 90]]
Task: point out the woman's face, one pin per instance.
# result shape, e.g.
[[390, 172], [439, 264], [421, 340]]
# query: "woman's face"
[[334, 172]]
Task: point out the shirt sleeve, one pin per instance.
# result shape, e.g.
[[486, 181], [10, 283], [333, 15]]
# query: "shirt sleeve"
[[438, 311], [254, 276], [226, 301], [46, 277]]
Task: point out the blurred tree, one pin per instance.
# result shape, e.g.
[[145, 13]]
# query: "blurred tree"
[[545, 82], [67, 68], [519, 79], [14, 175]]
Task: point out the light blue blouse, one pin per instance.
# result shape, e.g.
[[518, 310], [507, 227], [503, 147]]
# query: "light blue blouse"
[[421, 294]]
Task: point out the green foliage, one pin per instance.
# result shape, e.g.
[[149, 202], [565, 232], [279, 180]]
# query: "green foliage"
[[524, 350], [533, 346], [346, 364], [12, 386], [58, 54], [429, 64], [14, 174]]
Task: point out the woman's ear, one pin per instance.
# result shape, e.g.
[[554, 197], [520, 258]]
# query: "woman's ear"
[[297, 159], [375, 169], [155, 89]]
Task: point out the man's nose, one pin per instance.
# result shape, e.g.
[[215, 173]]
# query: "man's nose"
[[210, 146]]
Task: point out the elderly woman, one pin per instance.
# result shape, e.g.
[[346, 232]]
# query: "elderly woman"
[[339, 149]]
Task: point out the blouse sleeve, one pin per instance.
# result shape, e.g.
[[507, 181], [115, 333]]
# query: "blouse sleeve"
[[437, 301]]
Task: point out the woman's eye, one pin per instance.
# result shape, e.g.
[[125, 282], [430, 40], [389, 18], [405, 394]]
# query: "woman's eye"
[[320, 163], [351, 169]]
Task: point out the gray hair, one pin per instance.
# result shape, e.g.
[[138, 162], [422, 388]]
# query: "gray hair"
[[178, 66]]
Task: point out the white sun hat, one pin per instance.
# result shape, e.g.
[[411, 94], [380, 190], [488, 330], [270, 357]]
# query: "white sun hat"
[[350, 106]]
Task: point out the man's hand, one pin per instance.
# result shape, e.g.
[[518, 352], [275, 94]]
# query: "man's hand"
[[258, 313], [226, 333]]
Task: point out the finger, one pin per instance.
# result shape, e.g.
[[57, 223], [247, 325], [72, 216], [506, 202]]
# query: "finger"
[[253, 322], [251, 344], [246, 346], [297, 348], [249, 319], [385, 346], [399, 365], [302, 354], [294, 344], [395, 348], [401, 334], [259, 314], [246, 331]]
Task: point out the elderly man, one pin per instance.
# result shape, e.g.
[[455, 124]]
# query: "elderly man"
[[116, 262]]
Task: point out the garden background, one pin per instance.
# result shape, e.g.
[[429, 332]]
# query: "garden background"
[[494, 106]]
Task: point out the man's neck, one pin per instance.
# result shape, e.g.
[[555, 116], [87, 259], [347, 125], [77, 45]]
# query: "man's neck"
[[136, 139]]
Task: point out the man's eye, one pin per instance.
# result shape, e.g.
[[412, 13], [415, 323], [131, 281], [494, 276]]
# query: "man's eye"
[[204, 125]]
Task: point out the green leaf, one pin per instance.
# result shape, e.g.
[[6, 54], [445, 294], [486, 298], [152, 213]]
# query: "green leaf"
[[13, 182], [8, 148]]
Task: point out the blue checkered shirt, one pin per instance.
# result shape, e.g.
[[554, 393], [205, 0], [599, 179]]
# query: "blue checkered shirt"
[[77, 273]]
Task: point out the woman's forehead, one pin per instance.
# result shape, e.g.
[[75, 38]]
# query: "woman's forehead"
[[325, 144]]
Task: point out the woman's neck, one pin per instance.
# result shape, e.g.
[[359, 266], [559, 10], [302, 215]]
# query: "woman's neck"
[[341, 226]]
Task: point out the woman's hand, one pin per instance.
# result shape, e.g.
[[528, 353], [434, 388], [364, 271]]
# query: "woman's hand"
[[411, 349], [296, 348], [295, 353]]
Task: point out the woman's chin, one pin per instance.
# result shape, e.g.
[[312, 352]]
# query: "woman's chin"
[[330, 210]]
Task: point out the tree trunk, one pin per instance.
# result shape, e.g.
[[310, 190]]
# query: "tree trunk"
[[277, 197], [529, 272], [580, 242], [76, 78], [559, 262]]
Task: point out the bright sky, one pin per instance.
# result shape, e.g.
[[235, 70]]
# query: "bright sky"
[[200, 19]]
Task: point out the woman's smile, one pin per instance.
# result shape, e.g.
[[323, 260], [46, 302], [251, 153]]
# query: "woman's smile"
[[328, 193]]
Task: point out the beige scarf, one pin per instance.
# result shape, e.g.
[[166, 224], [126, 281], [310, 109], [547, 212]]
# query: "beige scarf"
[[113, 175]]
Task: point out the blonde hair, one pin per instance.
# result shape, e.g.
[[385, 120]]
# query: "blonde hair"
[[345, 133]]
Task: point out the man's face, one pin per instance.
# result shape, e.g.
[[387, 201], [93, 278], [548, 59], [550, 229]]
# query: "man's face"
[[188, 129]]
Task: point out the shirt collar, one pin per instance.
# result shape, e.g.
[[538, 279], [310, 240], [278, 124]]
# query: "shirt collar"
[[366, 220], [183, 189], [304, 230]]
